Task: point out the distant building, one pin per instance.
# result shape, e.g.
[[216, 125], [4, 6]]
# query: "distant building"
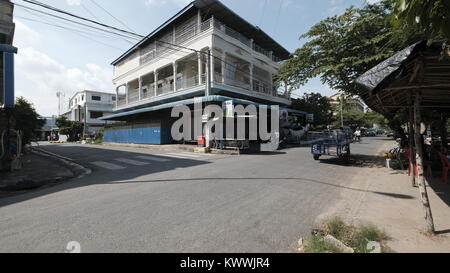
[[90, 106], [48, 128], [350, 104]]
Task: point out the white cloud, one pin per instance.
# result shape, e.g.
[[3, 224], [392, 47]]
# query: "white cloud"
[[73, 2], [25, 36], [39, 76]]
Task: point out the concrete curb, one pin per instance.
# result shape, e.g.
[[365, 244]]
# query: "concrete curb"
[[79, 171]]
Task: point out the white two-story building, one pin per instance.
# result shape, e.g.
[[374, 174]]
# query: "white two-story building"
[[89, 106], [206, 52]]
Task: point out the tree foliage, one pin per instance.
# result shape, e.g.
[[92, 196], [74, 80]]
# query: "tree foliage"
[[70, 128], [314, 103], [341, 48], [27, 119], [429, 16]]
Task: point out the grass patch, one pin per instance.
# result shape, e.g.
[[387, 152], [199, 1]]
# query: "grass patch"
[[335, 227], [316, 244], [355, 237]]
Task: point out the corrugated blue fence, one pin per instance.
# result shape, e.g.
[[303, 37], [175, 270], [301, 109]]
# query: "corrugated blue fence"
[[152, 135]]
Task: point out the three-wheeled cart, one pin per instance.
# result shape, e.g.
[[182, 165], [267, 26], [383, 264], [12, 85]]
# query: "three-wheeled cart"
[[333, 142]]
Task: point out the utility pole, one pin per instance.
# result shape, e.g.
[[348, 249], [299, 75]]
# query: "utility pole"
[[60, 96], [85, 120], [419, 161], [342, 110]]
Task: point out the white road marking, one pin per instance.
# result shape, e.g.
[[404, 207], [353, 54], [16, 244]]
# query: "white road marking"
[[153, 158], [132, 162], [185, 154], [106, 165], [172, 155]]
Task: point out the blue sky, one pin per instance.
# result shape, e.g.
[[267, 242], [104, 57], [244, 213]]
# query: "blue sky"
[[52, 59]]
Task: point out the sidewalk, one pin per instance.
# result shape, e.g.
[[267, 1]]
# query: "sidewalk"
[[37, 171], [384, 197]]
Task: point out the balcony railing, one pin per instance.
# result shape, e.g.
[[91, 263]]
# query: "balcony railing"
[[133, 96], [150, 92], [186, 83], [158, 49], [164, 89], [261, 50]]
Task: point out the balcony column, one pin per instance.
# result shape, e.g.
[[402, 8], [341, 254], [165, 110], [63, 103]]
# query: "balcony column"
[[199, 20], [117, 96], [199, 56], [155, 73], [174, 64], [213, 72], [140, 88], [224, 61], [251, 77], [127, 90]]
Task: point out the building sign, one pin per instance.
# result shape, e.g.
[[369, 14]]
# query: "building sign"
[[7, 78], [310, 118], [228, 107]]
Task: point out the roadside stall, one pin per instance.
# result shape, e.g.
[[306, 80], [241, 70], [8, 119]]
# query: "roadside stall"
[[413, 88]]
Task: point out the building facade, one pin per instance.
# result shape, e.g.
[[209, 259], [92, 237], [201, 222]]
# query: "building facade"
[[89, 106], [349, 103], [205, 53]]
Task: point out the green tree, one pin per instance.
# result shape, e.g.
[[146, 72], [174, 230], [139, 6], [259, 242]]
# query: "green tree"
[[353, 119], [70, 128], [314, 103], [27, 119], [372, 118], [341, 48], [429, 16]]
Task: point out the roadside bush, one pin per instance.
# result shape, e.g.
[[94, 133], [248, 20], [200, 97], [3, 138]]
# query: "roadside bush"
[[355, 237]]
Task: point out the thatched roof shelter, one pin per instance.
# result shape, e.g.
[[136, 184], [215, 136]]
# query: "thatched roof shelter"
[[416, 78], [420, 67]]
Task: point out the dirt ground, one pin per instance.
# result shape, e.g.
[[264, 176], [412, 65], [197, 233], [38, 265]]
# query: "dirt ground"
[[385, 197]]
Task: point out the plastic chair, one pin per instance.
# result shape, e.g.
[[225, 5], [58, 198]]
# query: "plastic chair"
[[445, 167], [426, 164]]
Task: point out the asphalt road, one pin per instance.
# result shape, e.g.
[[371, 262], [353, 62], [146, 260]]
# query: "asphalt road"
[[137, 200]]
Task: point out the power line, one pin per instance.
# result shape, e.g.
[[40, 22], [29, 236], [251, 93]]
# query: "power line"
[[124, 31], [92, 32], [264, 12], [278, 17], [88, 11], [34, 2], [115, 18], [75, 31], [86, 25]]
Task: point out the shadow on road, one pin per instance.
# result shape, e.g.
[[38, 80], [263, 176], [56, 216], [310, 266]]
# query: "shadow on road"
[[301, 180], [357, 160], [85, 154]]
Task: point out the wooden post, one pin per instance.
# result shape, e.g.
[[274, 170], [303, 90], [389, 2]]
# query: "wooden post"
[[412, 160], [419, 160]]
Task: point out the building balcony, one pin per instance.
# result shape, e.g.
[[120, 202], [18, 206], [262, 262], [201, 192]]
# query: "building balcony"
[[167, 45]]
